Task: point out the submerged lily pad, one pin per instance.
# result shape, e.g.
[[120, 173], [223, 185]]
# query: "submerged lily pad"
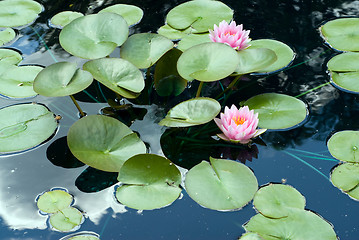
[[277, 111], [191, 40], [207, 62], [24, 126], [344, 146], [66, 219], [221, 185], [149, 182], [192, 112], [14, 13], [54, 201], [144, 49], [103, 142], [94, 36], [345, 177], [63, 18], [130, 13], [6, 36], [201, 15], [10, 56], [342, 34]]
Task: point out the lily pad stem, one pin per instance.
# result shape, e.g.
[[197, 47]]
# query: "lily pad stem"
[[313, 89], [82, 114], [234, 82], [199, 89]]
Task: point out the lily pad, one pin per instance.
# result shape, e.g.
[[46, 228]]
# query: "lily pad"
[[347, 81], [144, 49], [117, 74], [345, 177], [344, 146], [14, 13], [250, 236], [84, 235], [172, 33], [151, 177], [6, 36], [285, 54], [130, 13], [342, 34], [277, 111], [192, 112], [54, 201], [25, 126], [277, 200], [66, 219], [61, 19], [207, 62], [103, 142], [17, 82], [94, 36], [201, 15], [223, 185], [193, 39], [9, 56]]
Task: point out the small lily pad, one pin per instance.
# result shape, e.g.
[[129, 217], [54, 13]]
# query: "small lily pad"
[[221, 185], [14, 13], [192, 112], [207, 62], [277, 111], [61, 19], [94, 36], [172, 33], [103, 142], [66, 219], [144, 49], [344, 146], [9, 56], [254, 60], [201, 15], [6, 36], [345, 177], [84, 235], [130, 13], [54, 201], [191, 40], [151, 177]]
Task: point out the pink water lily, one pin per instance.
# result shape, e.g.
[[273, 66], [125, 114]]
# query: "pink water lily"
[[230, 34], [238, 125]]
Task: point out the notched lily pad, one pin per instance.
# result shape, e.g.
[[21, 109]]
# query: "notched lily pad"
[[344, 146], [54, 201], [9, 56], [254, 60], [345, 177], [14, 13], [172, 33], [6, 36], [130, 13], [66, 219], [61, 19]]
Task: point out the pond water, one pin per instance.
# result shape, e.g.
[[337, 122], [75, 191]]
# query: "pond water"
[[298, 157]]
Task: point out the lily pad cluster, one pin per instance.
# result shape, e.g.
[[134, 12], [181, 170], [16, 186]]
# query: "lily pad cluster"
[[281, 215]]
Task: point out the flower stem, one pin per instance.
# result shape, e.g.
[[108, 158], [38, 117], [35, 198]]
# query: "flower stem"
[[313, 89], [82, 114], [234, 82], [199, 89]]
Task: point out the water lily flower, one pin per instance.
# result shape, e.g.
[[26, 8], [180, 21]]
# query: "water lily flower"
[[230, 34], [238, 125]]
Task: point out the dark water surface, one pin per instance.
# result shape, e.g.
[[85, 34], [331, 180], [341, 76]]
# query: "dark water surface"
[[24, 176]]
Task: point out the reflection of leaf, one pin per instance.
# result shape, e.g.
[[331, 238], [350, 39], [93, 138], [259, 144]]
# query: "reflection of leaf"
[[94, 180], [127, 114]]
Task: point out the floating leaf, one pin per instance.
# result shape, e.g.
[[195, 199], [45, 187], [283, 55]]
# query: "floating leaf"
[[6, 36], [192, 112], [224, 185], [254, 60], [94, 36], [201, 15], [54, 201], [103, 142], [61, 19], [277, 200], [250, 236], [172, 33], [207, 62], [24, 126], [130, 13], [9, 56], [342, 34], [84, 235], [191, 40], [144, 49], [345, 177], [14, 13], [66, 219], [346, 81], [284, 54], [344, 146], [277, 111], [148, 177]]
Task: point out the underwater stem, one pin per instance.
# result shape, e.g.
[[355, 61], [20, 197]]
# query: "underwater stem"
[[82, 114], [199, 89], [313, 89], [234, 82]]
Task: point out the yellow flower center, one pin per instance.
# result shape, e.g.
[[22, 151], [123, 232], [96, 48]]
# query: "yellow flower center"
[[239, 120], [229, 33]]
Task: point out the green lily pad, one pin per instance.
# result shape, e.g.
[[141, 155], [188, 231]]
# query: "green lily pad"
[[201, 15], [285, 54], [119, 75], [144, 49], [14, 13], [94, 36], [10, 56], [130, 13], [192, 112], [207, 62], [84, 238], [277, 200], [17, 82], [344, 146], [84, 235], [191, 40], [172, 33], [254, 60], [151, 177], [223, 185], [250, 236], [62, 79], [166, 78], [6, 36], [66, 219], [54, 201], [103, 142], [346, 81], [345, 177], [25, 126], [277, 111], [61, 19], [342, 34]]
